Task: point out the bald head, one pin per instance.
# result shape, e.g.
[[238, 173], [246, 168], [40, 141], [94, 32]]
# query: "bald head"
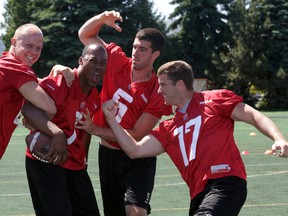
[[27, 43], [25, 29], [94, 48]]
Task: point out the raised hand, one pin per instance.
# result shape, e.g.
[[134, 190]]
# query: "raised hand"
[[110, 18]]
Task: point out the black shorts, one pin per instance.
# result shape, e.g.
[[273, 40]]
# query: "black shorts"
[[125, 181], [60, 192], [223, 196]]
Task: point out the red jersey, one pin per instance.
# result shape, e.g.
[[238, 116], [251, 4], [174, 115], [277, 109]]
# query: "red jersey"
[[13, 74], [70, 102], [134, 98], [200, 141]]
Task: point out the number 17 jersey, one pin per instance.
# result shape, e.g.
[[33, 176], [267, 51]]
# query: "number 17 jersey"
[[200, 141]]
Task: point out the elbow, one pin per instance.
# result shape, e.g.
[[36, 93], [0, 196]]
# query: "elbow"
[[80, 35], [51, 111], [84, 36], [133, 154], [25, 110]]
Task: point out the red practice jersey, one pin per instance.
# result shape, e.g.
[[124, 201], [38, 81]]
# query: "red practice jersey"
[[134, 98], [70, 102], [13, 74], [200, 141]]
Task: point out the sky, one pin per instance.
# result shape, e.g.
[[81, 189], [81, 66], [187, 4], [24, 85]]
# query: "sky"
[[162, 6], [2, 9]]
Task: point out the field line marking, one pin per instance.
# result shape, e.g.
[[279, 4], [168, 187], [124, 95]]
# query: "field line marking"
[[265, 205], [267, 174], [170, 184], [159, 185], [12, 195], [247, 206]]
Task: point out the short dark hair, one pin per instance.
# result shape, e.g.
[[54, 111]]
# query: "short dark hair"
[[154, 36], [90, 47], [178, 70]]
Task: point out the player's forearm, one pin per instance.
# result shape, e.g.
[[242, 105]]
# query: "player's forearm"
[[268, 128], [108, 135], [124, 139], [86, 140], [103, 133], [39, 120], [90, 29]]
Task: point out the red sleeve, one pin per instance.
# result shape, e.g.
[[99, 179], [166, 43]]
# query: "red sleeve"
[[224, 101], [116, 57], [15, 72], [56, 87]]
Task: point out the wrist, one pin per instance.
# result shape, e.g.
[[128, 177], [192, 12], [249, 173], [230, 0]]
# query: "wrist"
[[58, 133], [54, 130]]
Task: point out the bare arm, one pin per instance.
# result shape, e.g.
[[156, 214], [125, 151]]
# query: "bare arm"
[[86, 140], [142, 127], [88, 33], [38, 119], [34, 93], [246, 113], [147, 147]]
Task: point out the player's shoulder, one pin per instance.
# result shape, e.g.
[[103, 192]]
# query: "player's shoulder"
[[55, 81], [217, 93], [12, 66], [113, 48]]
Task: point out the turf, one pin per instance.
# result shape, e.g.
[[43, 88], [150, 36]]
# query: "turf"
[[267, 177]]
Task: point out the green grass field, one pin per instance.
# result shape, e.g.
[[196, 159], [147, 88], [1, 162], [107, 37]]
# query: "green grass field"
[[267, 177]]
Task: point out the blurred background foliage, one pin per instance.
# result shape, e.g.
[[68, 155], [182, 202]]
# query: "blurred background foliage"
[[241, 45]]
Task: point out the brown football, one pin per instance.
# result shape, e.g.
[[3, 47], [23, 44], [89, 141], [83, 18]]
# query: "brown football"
[[39, 144]]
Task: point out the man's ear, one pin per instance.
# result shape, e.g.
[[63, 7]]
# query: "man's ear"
[[12, 46], [13, 42], [80, 60], [156, 54], [180, 84]]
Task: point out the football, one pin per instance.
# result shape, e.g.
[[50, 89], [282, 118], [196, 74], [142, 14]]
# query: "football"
[[39, 144]]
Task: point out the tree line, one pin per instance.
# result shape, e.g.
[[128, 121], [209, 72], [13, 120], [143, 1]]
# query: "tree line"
[[239, 45]]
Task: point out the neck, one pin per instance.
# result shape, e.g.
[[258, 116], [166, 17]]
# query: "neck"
[[141, 75], [86, 89], [185, 98]]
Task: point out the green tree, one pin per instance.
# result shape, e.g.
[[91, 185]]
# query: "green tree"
[[15, 14], [240, 45], [245, 62], [61, 19], [202, 32], [274, 15]]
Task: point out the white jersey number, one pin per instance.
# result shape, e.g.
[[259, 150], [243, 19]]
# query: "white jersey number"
[[122, 108], [181, 131]]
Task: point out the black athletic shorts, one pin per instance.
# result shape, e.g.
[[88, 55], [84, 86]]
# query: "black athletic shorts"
[[223, 196], [60, 192], [125, 181]]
